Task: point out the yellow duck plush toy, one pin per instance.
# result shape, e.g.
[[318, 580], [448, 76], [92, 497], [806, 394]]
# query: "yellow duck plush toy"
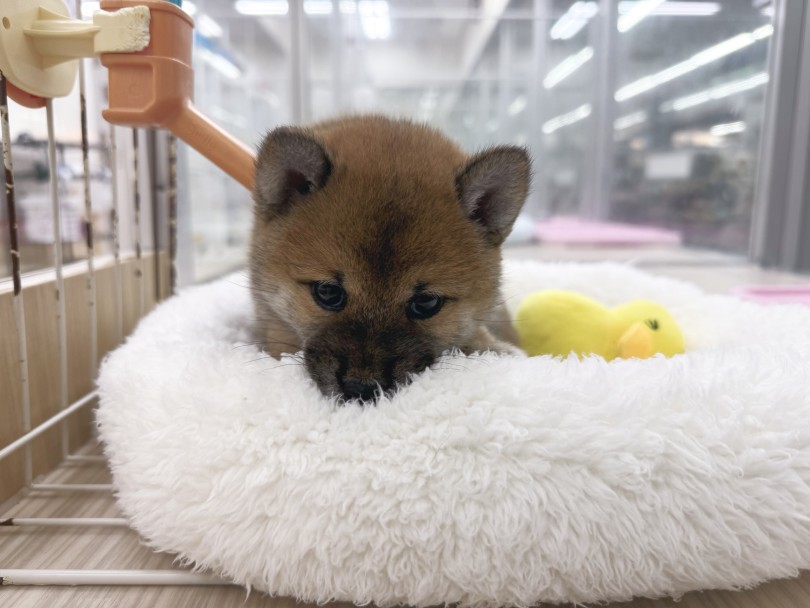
[[555, 322]]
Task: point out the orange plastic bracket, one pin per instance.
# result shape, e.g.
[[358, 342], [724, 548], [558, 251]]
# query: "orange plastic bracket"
[[24, 98], [155, 88]]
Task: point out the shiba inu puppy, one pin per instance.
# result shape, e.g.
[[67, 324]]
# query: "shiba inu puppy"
[[376, 248]]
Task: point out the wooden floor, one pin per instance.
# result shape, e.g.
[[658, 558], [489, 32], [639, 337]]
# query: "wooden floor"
[[120, 548], [114, 548]]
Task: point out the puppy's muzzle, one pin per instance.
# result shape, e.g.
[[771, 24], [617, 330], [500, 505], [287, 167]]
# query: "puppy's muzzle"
[[351, 360], [364, 391]]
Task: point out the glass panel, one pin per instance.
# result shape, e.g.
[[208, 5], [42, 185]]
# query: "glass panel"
[[484, 73], [689, 79], [692, 78], [689, 86], [32, 187], [242, 83]]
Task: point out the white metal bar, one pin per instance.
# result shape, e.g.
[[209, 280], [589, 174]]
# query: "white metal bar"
[[779, 128], [86, 458], [304, 43], [136, 196], [88, 217], [172, 200], [595, 201], [72, 487], [119, 297], [337, 37], [103, 522], [156, 189], [19, 315], [60, 282], [297, 62], [17, 302], [107, 577], [53, 420]]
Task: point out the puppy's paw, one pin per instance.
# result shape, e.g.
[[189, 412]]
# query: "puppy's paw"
[[504, 348], [484, 341]]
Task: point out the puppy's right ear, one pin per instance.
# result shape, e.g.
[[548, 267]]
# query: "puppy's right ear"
[[291, 164]]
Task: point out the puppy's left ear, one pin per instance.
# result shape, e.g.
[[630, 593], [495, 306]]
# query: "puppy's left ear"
[[492, 188]]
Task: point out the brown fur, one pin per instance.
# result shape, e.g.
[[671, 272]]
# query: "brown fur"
[[376, 205]]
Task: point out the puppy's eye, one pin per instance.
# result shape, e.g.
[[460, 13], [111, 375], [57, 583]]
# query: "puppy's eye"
[[329, 296], [424, 305]]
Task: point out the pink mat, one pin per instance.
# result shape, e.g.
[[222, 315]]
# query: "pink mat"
[[574, 231], [775, 294]]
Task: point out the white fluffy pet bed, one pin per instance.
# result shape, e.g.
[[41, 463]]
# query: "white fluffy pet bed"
[[488, 481]]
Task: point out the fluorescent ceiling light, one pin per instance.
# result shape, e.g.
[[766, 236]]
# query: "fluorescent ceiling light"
[[261, 7], [727, 128], [566, 67], [674, 8], [569, 118], [573, 20], [189, 7], [281, 7], [374, 19], [518, 105], [637, 13], [718, 92], [222, 64], [704, 57], [208, 27], [629, 120], [318, 7]]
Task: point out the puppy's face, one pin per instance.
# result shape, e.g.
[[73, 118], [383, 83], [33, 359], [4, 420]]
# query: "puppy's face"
[[376, 246]]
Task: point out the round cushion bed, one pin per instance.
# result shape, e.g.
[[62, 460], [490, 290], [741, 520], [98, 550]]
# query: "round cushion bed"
[[489, 480]]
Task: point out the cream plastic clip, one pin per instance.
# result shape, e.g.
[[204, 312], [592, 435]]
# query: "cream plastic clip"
[[39, 43]]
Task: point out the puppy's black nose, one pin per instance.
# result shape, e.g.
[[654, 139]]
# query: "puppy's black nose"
[[357, 389]]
